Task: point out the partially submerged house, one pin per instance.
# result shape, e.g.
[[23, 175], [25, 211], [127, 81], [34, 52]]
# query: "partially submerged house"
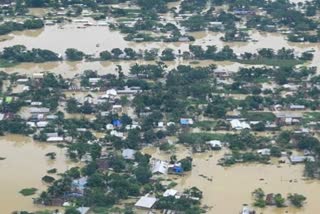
[[186, 121], [294, 159], [128, 154], [215, 144], [170, 192], [239, 125], [146, 202], [159, 167]]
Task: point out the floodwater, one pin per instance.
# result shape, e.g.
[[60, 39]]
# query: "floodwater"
[[24, 166], [231, 187], [60, 37]]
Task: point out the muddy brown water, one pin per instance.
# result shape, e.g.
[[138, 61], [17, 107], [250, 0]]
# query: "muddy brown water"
[[231, 187], [24, 166]]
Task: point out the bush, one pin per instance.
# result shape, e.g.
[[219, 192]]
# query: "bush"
[[28, 191]]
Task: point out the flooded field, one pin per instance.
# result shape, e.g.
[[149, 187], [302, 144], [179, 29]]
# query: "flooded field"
[[231, 187], [19, 170]]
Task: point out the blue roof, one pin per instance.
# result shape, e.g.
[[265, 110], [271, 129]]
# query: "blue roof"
[[184, 121], [178, 169], [116, 122]]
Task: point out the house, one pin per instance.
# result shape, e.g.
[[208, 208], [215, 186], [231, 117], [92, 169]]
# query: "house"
[[31, 124], [42, 124], [264, 152], [39, 110], [270, 199], [83, 210], [38, 75], [160, 124], [297, 107], [88, 99], [215, 144], [300, 159], [117, 134], [132, 90], [216, 26], [116, 123], [170, 192], [221, 74], [146, 202], [94, 81], [133, 126], [239, 125], [183, 39], [175, 169], [111, 93], [247, 210], [128, 154], [186, 121], [117, 108], [288, 118], [103, 164], [277, 107], [80, 183], [55, 139], [138, 39], [109, 127], [159, 167]]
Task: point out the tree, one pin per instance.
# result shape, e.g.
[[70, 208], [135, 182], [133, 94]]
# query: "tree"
[[95, 151], [73, 54], [72, 210], [35, 3], [149, 136], [186, 164], [105, 55], [116, 52], [279, 200], [284, 138], [143, 174], [297, 199], [259, 195], [167, 55], [72, 106]]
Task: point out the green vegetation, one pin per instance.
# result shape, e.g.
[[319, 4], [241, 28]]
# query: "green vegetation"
[[271, 62], [297, 199], [259, 116], [28, 191]]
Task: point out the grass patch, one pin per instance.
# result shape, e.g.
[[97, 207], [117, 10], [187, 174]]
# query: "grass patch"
[[28, 191], [205, 125], [311, 117], [201, 137], [194, 63], [271, 62], [6, 64], [259, 116]]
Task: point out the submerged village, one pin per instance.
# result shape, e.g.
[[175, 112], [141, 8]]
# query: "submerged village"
[[159, 106]]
